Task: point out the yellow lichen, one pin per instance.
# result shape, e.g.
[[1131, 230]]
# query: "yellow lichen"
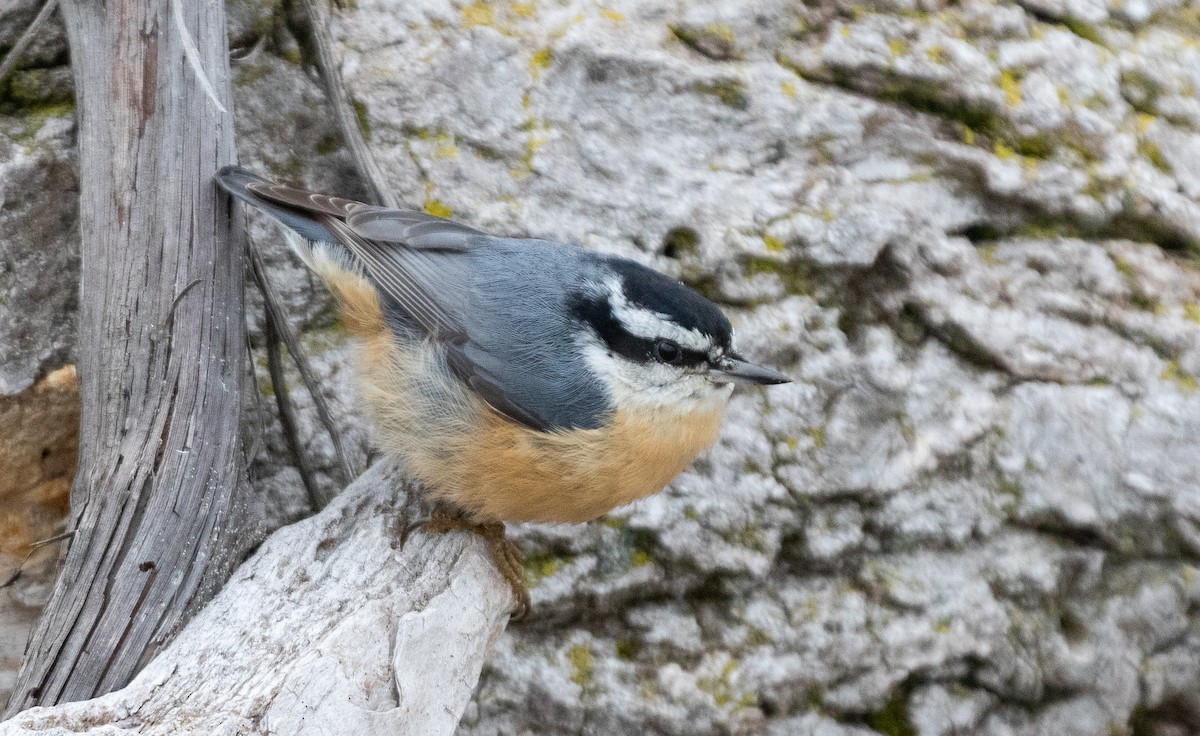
[[612, 15], [438, 208], [788, 89], [478, 13], [1011, 88], [1175, 373], [541, 59], [1002, 151], [583, 665], [538, 567]]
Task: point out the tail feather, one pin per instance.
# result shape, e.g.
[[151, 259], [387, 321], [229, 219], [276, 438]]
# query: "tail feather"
[[236, 181], [307, 232]]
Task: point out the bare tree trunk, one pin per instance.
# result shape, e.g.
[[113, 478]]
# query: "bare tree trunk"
[[155, 506], [337, 626]]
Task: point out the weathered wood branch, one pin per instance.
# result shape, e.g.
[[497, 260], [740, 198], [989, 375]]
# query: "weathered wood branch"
[[156, 504], [330, 628], [339, 101]]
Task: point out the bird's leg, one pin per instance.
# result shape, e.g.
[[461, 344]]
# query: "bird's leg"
[[505, 553]]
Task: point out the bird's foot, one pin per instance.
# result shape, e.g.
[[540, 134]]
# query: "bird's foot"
[[505, 553]]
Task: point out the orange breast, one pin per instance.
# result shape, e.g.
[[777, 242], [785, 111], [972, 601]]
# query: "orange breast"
[[510, 473]]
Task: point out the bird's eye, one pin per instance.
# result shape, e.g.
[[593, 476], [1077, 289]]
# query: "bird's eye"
[[666, 351]]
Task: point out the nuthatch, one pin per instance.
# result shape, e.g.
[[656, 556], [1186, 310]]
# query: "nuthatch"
[[515, 379]]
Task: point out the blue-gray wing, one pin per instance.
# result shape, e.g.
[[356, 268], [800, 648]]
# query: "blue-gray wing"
[[414, 230], [495, 304], [523, 350]]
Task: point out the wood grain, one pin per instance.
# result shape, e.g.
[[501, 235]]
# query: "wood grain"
[[157, 502], [333, 627]]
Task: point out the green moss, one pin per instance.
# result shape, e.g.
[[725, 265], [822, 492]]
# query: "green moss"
[[714, 40], [731, 92], [1152, 153], [540, 566], [930, 98], [814, 697], [1035, 146], [1010, 488], [328, 144], [756, 637], [628, 649], [41, 87], [892, 719], [796, 275], [640, 558], [583, 665], [1144, 302], [750, 537], [773, 244], [1084, 30], [360, 115], [1191, 312], [680, 242], [249, 74], [719, 687], [1140, 91]]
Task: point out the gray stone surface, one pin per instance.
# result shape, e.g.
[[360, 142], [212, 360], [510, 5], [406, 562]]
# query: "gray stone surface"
[[970, 231]]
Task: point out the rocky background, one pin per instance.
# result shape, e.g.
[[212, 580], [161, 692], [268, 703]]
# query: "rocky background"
[[969, 228]]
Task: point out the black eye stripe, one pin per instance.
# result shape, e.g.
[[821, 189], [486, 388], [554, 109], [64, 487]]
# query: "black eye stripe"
[[598, 313]]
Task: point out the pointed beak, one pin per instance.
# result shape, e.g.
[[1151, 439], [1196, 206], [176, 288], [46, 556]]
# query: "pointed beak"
[[732, 369]]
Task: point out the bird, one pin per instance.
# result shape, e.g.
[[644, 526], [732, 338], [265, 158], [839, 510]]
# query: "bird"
[[514, 379]]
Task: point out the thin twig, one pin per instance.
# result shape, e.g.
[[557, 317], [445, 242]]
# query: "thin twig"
[[34, 547], [258, 433], [26, 38], [287, 416], [284, 332], [339, 100]]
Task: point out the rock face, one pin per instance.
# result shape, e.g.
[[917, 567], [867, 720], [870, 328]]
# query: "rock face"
[[969, 230]]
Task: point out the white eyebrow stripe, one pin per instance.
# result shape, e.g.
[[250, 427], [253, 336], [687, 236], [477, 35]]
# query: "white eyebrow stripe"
[[652, 325]]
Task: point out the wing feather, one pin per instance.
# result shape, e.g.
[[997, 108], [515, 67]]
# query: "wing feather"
[[429, 275], [409, 282], [414, 229]]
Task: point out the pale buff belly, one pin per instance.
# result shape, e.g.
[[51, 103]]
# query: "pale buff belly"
[[511, 473]]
